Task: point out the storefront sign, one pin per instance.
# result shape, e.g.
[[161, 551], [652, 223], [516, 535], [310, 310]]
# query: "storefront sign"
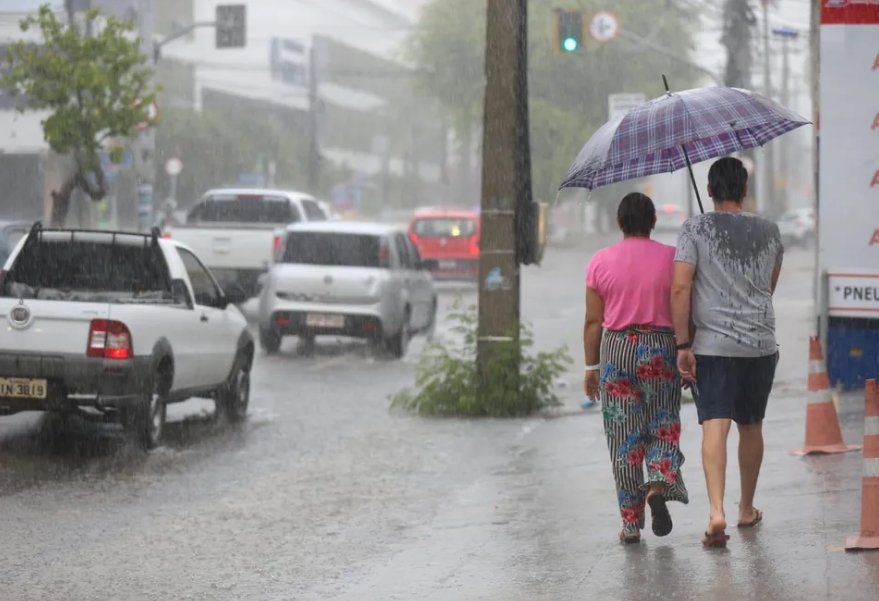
[[849, 164], [853, 293]]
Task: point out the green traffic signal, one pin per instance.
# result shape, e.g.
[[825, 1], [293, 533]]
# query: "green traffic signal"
[[568, 31]]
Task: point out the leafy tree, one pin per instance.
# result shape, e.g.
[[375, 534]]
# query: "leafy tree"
[[568, 93], [96, 88], [216, 146]]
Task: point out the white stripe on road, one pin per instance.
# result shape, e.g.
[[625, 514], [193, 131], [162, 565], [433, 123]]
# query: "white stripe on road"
[[816, 366], [817, 397], [871, 425], [871, 468]]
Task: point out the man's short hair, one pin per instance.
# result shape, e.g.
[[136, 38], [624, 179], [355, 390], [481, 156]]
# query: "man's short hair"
[[728, 180], [636, 214]]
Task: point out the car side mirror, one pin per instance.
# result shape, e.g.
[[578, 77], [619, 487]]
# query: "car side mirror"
[[180, 292], [428, 265], [235, 294]]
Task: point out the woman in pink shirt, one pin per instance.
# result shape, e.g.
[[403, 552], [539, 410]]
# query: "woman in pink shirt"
[[630, 356]]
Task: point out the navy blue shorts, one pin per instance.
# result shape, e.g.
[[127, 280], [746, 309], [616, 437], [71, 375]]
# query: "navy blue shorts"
[[735, 388]]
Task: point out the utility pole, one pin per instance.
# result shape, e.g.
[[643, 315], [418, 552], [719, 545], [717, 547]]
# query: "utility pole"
[[145, 145], [768, 171], [313, 119], [502, 184], [738, 20], [786, 35]]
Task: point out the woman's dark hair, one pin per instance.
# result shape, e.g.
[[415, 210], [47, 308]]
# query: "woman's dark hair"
[[636, 214], [728, 179]]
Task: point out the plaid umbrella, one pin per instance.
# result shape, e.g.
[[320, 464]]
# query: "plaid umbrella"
[[677, 130]]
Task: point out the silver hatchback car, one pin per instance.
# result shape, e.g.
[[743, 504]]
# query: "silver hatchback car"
[[359, 280]]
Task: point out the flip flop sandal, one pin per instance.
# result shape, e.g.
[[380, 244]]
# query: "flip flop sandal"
[[661, 518], [713, 540], [753, 522], [630, 539]]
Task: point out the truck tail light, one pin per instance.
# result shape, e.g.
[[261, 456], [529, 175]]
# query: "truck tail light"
[[414, 239], [109, 339]]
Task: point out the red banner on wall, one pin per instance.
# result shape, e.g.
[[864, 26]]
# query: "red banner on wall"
[[850, 12]]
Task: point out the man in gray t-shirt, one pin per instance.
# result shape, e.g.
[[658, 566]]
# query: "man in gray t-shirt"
[[726, 267]]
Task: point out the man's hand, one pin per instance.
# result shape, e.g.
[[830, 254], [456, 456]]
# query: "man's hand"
[[687, 365], [590, 384]]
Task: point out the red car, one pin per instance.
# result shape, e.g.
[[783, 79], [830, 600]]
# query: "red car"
[[451, 238]]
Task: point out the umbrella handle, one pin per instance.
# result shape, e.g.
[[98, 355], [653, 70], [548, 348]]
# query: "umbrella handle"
[[692, 177]]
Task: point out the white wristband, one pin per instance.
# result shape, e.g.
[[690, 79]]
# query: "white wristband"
[[595, 367]]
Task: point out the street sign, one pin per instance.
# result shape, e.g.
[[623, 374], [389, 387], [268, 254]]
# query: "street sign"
[[231, 26], [173, 166], [853, 293], [151, 113], [786, 32], [604, 26], [620, 104]]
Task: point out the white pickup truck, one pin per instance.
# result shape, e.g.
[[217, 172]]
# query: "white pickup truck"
[[120, 323], [237, 231]]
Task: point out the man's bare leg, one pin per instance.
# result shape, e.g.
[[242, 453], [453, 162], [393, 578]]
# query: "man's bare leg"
[[714, 437], [750, 460]]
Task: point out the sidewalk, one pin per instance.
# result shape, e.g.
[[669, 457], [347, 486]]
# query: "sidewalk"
[[568, 509]]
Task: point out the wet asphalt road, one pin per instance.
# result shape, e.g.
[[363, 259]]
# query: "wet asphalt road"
[[323, 494]]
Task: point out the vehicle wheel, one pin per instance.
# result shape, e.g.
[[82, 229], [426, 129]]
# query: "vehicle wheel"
[[398, 344], [269, 340], [431, 325], [146, 421], [234, 399]]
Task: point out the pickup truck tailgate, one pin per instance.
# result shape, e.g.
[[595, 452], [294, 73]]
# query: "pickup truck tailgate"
[[47, 327], [228, 248]]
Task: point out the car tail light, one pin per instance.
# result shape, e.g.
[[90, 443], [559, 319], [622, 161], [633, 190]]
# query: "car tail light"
[[801, 223], [474, 245], [166, 236], [277, 248], [109, 339]]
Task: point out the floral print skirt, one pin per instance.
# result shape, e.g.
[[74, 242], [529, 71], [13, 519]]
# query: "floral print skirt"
[[641, 401]]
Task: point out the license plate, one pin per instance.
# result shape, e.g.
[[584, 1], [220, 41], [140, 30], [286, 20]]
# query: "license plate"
[[22, 388], [448, 264], [319, 320]]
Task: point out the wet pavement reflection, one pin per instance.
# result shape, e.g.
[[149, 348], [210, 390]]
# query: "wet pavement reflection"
[[324, 494]]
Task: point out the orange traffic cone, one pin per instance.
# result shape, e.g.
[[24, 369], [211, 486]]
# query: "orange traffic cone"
[[869, 536], [823, 434]]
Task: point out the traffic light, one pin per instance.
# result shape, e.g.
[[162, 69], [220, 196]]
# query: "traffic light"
[[231, 26], [568, 31]]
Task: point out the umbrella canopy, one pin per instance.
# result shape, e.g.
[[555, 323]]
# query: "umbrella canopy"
[[677, 130]]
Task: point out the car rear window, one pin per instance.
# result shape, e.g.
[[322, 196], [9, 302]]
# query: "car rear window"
[[55, 269], [443, 227], [242, 209], [332, 248]]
